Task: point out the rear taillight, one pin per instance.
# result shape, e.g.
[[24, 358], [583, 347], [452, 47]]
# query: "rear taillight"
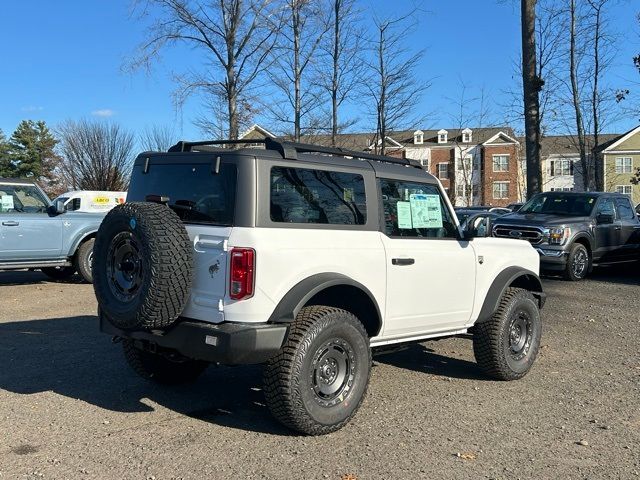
[[241, 278]]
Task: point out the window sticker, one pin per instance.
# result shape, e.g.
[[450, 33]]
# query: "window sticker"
[[425, 211], [6, 203], [404, 215]]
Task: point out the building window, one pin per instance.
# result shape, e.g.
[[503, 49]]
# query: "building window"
[[501, 163], [624, 189], [560, 166], [500, 190], [460, 190], [465, 163], [425, 163], [418, 137], [624, 164], [442, 136], [443, 170]]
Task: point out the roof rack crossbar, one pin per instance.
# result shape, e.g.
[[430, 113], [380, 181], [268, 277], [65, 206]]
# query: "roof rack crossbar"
[[290, 150]]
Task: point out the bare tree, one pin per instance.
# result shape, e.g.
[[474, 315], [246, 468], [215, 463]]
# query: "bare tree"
[[234, 37], [305, 26], [157, 138], [344, 72], [532, 84], [96, 155], [393, 88]]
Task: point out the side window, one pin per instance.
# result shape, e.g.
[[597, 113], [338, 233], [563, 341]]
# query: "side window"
[[317, 196], [606, 206], [21, 199], [625, 211], [74, 204], [415, 210]]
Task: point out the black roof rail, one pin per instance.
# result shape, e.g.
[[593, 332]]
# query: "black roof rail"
[[290, 150]]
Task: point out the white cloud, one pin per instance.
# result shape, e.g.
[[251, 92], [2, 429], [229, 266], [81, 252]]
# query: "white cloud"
[[106, 112], [32, 108]]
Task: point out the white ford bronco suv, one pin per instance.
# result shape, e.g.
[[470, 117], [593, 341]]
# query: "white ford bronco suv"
[[305, 258]]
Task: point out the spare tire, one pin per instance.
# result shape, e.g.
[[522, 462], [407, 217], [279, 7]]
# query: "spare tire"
[[142, 266]]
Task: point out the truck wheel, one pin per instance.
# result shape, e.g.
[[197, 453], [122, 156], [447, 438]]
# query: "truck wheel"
[[578, 263], [83, 260], [506, 345], [319, 378], [142, 266], [162, 368], [58, 273]]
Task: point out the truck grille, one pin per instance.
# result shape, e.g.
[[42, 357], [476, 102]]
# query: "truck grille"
[[532, 234]]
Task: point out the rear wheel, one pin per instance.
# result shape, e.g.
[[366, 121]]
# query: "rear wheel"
[[59, 273], [578, 263], [165, 367], [506, 345], [84, 260], [317, 382]]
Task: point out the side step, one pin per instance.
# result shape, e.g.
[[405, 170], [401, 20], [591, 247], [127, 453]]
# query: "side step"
[[40, 264]]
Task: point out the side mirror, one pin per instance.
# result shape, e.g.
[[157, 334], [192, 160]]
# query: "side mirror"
[[57, 208], [478, 225], [604, 218]]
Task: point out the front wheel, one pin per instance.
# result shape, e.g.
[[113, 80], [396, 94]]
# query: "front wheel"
[[317, 382], [506, 345], [578, 263]]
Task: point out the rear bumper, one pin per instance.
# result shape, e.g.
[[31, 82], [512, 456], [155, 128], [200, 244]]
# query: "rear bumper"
[[225, 343]]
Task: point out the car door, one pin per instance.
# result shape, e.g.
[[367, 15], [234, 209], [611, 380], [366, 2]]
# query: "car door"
[[629, 241], [27, 231], [607, 234], [430, 270]]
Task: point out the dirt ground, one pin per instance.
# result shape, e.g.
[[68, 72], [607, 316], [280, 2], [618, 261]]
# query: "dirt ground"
[[70, 407]]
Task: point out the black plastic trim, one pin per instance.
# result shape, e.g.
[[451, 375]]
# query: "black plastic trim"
[[226, 343], [504, 279], [301, 293]]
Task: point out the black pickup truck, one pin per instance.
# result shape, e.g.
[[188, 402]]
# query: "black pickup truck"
[[574, 231]]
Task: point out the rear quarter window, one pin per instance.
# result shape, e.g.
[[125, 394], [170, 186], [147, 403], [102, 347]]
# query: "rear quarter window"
[[299, 195]]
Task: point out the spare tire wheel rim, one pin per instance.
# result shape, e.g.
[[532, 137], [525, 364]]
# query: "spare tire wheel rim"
[[124, 266], [333, 372], [580, 263], [520, 335]]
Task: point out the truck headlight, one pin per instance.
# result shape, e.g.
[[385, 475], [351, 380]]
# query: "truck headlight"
[[558, 235]]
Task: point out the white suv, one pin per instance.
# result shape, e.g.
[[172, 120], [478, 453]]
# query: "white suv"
[[306, 258]]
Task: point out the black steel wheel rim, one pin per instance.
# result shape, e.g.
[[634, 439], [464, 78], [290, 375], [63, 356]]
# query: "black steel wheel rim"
[[579, 264], [124, 266], [520, 335], [333, 372]]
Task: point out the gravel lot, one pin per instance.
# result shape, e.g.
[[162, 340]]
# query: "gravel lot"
[[70, 408]]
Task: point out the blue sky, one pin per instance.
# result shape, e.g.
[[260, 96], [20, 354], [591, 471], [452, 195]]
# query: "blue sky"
[[62, 60]]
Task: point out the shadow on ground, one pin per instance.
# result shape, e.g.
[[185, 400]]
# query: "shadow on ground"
[[70, 357], [31, 277], [624, 273]]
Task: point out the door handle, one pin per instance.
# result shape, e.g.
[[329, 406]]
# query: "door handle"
[[402, 261], [11, 224]]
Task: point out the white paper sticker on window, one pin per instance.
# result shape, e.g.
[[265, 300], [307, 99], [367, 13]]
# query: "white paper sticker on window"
[[6, 203], [404, 214], [425, 211]]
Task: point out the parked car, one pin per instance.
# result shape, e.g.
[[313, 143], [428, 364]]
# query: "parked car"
[[514, 207], [572, 232], [38, 234], [91, 200], [478, 222], [304, 258], [465, 212]]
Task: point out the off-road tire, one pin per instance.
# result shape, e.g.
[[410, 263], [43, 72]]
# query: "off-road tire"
[[160, 266], [290, 376], [83, 260], [494, 343], [59, 273], [576, 253], [162, 368]]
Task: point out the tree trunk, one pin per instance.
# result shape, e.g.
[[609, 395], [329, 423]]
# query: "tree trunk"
[[599, 178], [296, 70], [531, 88], [382, 128], [334, 80], [575, 92]]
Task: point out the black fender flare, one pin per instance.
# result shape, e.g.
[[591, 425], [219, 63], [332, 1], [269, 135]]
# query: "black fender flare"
[[583, 236], [303, 291], [522, 278]]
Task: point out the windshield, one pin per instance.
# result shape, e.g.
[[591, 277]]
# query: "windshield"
[[195, 193], [559, 204]]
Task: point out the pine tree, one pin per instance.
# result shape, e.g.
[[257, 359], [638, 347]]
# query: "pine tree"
[[5, 162], [32, 153]]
